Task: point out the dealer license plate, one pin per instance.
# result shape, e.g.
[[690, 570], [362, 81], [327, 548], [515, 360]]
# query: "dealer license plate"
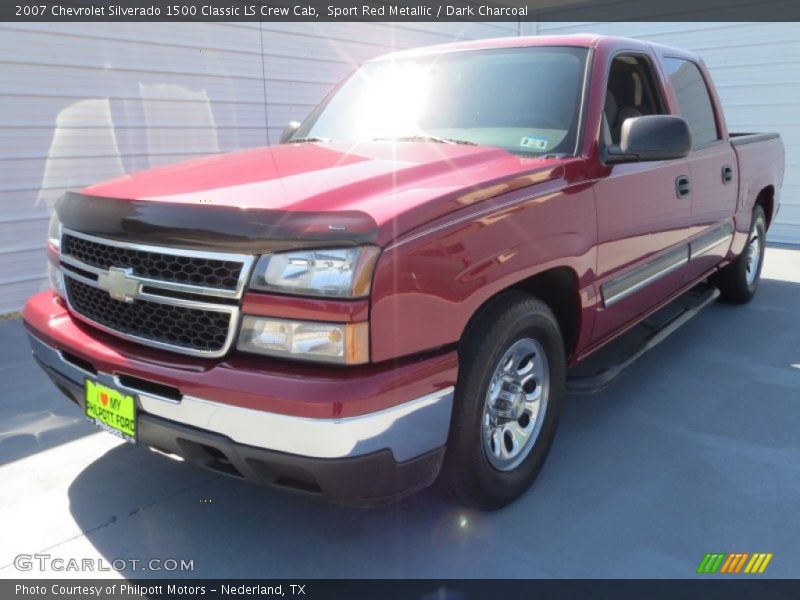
[[111, 410]]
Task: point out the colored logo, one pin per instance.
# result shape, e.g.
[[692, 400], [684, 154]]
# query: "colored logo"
[[735, 562]]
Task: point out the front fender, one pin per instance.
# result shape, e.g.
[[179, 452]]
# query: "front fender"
[[429, 283]]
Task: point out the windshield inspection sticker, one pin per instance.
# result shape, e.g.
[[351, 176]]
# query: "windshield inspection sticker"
[[534, 143]]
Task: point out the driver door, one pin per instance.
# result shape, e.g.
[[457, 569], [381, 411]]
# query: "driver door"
[[643, 217]]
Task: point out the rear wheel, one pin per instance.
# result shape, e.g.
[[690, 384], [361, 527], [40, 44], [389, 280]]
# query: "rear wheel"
[[738, 281], [508, 399]]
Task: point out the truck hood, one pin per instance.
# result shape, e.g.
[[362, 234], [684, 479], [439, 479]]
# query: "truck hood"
[[370, 192]]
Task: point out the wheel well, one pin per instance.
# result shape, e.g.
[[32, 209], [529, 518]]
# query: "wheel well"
[[766, 199], [558, 288]]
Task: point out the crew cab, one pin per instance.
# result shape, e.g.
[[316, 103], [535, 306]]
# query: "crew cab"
[[394, 293]]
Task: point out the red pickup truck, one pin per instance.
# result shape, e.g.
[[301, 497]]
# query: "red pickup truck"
[[393, 294]]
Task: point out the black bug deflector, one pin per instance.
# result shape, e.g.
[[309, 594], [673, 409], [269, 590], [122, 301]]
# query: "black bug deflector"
[[210, 227]]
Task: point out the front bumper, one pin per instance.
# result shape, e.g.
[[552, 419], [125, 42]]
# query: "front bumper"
[[370, 457]]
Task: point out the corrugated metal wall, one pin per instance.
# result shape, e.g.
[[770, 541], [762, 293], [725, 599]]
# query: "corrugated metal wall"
[[755, 67], [80, 103]]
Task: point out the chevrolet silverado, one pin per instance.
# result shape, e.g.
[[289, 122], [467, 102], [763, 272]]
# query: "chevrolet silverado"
[[394, 293]]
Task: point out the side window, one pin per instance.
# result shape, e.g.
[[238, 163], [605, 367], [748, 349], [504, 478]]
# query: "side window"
[[631, 92], [694, 101]]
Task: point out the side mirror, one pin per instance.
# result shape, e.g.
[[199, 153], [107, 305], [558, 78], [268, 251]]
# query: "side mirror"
[[289, 130], [653, 137]]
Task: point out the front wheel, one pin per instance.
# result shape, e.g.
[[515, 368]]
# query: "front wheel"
[[738, 281], [508, 400]]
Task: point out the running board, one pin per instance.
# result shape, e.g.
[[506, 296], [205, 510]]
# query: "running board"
[[604, 366]]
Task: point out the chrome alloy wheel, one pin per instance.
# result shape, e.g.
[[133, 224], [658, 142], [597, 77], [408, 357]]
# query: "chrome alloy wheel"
[[515, 404], [754, 249]]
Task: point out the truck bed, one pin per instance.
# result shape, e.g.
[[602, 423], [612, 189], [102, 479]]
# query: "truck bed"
[[740, 139], [759, 156]]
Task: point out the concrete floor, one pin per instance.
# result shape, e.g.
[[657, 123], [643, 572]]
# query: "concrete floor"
[[695, 449]]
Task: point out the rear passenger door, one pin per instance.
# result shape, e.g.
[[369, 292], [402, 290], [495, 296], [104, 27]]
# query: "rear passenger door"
[[712, 167]]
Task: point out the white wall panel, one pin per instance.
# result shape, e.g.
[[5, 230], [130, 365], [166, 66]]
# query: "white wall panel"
[[755, 67], [80, 103], [83, 102]]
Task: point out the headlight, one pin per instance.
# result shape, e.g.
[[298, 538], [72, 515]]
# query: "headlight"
[[54, 273], [54, 233], [343, 343], [56, 277], [339, 272]]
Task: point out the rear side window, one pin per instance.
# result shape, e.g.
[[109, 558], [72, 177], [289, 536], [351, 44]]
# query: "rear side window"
[[694, 101]]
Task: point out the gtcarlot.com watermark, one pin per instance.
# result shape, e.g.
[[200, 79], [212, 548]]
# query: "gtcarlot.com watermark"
[[48, 563]]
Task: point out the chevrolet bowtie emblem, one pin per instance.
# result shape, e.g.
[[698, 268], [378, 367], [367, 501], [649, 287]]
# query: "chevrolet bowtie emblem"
[[120, 284]]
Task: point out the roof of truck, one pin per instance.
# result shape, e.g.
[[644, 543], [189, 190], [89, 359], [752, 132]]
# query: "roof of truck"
[[581, 40]]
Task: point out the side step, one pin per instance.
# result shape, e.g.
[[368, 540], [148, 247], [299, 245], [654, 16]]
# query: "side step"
[[604, 366]]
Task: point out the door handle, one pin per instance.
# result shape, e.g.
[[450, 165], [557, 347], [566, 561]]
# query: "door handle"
[[682, 186], [727, 174]]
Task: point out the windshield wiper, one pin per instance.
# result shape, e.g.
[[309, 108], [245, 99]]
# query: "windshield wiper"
[[426, 138], [308, 139]]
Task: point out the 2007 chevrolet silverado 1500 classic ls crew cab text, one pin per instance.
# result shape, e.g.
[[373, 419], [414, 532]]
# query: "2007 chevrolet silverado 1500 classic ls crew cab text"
[[394, 293]]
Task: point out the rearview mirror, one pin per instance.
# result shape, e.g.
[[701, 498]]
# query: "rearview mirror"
[[653, 137], [289, 131]]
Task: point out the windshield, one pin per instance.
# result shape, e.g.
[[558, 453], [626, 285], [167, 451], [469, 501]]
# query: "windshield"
[[525, 100]]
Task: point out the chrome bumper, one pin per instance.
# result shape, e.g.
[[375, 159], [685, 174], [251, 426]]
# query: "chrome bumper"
[[408, 430]]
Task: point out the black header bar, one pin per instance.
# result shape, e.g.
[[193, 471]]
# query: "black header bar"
[[398, 10], [709, 588]]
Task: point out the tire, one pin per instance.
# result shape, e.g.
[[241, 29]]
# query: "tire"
[[480, 468], [738, 281]]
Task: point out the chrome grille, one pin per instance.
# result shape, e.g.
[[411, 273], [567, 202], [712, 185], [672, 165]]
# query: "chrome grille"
[[194, 270], [188, 328], [180, 300]]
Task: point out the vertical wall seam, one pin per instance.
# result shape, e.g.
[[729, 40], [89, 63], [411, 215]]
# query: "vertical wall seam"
[[264, 79]]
